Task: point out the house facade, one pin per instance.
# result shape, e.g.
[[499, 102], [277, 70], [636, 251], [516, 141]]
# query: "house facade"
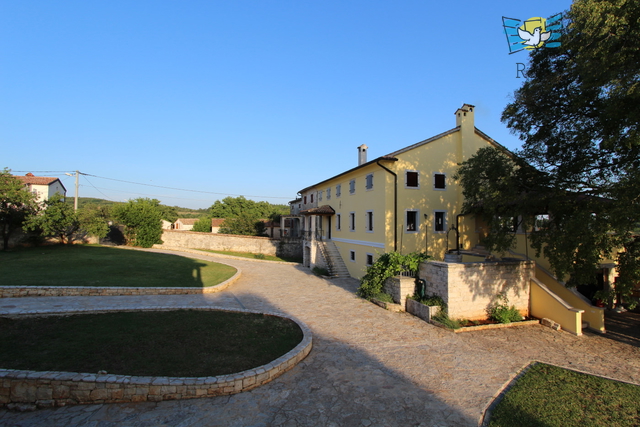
[[405, 201], [42, 186]]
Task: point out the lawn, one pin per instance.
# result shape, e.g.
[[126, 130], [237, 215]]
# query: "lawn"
[[548, 396], [91, 265], [186, 343], [253, 256]]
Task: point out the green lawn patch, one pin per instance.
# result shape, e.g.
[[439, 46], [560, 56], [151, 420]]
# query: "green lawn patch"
[[548, 396], [254, 256], [89, 265], [185, 343]]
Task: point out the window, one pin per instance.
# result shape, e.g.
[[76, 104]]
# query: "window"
[[352, 256], [338, 190], [542, 222], [369, 259], [411, 179], [338, 222], [411, 221], [328, 194], [509, 223], [369, 221], [305, 200], [320, 195], [369, 182], [439, 182], [440, 223], [312, 198], [352, 221], [352, 186]]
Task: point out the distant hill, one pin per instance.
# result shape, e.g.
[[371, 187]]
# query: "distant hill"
[[182, 212]]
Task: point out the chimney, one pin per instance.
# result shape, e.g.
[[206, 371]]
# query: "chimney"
[[464, 115], [362, 154]]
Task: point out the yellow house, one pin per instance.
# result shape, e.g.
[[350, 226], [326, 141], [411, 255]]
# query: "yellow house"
[[405, 201], [408, 201]]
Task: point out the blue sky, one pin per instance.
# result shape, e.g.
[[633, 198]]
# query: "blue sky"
[[253, 98]]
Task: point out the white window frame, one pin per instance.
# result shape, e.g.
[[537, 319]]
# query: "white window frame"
[[367, 257], [352, 221], [406, 221], [368, 221], [445, 181], [406, 173], [352, 256], [444, 221], [368, 182]]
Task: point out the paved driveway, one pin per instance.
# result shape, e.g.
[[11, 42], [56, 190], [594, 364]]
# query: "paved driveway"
[[368, 366]]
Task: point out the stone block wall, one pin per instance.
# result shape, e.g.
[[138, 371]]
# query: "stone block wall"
[[470, 288], [226, 242], [399, 287]]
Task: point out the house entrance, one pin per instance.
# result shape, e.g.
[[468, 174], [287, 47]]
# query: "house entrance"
[[328, 228]]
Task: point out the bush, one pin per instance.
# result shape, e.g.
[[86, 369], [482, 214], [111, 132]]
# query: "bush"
[[386, 266], [384, 297], [501, 312]]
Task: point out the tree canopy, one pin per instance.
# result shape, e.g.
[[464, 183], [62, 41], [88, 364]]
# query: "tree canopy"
[[142, 220], [242, 216], [17, 204], [56, 219], [578, 172]]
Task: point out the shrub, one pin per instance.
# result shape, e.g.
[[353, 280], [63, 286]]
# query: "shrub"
[[501, 312], [386, 266]]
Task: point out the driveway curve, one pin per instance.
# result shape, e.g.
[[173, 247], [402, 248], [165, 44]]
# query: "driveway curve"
[[368, 366]]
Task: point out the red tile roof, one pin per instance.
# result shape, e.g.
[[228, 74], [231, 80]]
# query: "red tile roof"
[[36, 180], [216, 222]]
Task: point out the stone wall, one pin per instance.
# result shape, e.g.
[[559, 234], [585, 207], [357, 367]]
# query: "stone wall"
[[470, 288], [226, 242], [30, 389], [399, 287]]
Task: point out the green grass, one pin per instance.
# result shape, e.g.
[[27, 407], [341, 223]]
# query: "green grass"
[[187, 343], [253, 256], [89, 265], [548, 396]]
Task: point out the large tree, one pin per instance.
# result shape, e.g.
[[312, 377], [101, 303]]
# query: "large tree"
[[142, 220], [577, 115], [56, 219], [16, 205]]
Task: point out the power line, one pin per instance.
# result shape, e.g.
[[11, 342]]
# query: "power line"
[[160, 186], [184, 189]]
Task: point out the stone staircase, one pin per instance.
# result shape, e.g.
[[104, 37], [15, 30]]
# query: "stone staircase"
[[336, 266]]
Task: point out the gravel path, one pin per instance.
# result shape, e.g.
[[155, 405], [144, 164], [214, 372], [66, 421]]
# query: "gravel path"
[[368, 366]]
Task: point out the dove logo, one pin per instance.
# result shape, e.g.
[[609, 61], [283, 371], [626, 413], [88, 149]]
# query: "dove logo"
[[533, 33]]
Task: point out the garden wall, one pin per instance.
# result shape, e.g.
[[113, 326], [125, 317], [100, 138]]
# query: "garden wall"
[[469, 289], [30, 389], [284, 247]]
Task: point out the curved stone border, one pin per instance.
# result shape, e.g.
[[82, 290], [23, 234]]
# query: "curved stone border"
[[31, 389], [86, 291]]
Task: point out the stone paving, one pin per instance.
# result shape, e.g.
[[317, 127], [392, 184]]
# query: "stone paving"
[[368, 366]]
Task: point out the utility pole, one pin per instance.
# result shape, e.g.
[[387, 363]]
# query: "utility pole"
[[75, 203]]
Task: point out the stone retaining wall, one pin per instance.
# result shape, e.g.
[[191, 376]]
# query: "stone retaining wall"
[[30, 389], [399, 287], [469, 289], [85, 291], [225, 242]]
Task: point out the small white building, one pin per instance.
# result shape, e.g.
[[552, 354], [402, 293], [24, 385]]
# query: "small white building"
[[43, 187]]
